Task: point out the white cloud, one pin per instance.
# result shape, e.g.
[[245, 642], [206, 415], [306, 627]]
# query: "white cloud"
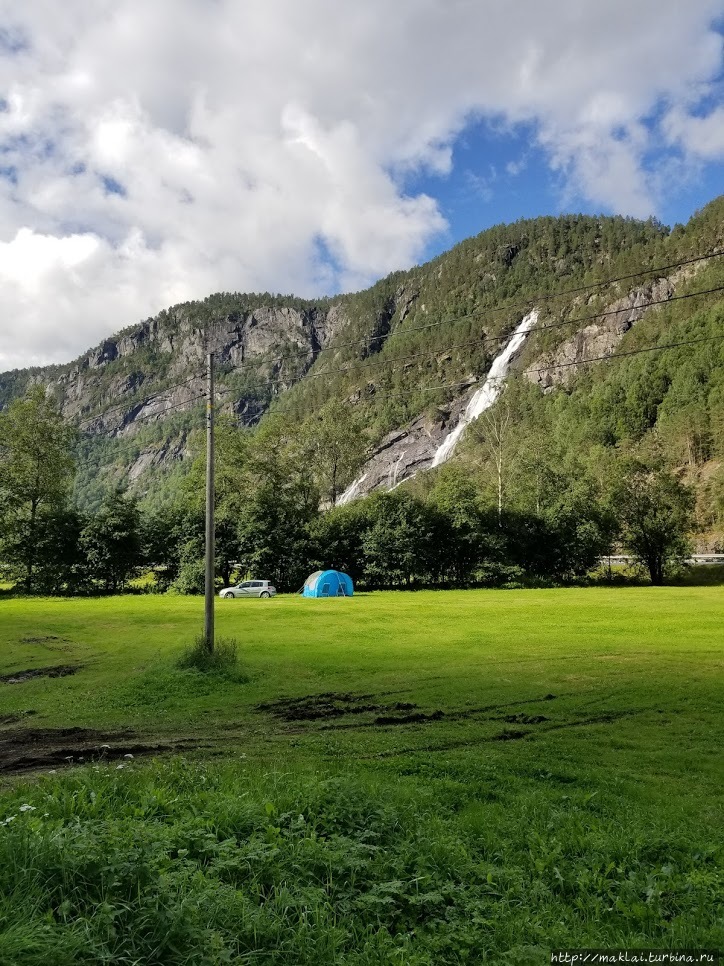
[[699, 136], [159, 151]]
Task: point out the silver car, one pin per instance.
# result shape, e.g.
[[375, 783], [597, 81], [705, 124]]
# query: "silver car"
[[249, 588]]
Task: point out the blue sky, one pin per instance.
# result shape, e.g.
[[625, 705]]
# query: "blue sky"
[[501, 175], [496, 176], [152, 153]]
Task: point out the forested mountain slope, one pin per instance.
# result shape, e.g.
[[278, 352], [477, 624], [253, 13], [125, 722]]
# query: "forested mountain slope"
[[405, 355]]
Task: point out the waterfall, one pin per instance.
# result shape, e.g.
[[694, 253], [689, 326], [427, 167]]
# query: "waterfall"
[[352, 491], [394, 470], [490, 390], [482, 400]]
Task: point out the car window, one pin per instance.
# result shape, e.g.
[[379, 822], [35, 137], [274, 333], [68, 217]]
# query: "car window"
[[257, 583], [246, 583]]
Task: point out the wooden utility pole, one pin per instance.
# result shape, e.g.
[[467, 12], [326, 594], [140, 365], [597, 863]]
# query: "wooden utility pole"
[[210, 592]]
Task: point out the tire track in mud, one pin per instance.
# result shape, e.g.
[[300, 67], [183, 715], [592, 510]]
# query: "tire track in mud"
[[30, 749]]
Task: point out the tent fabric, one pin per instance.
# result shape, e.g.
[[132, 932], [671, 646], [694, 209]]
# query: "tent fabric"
[[328, 583]]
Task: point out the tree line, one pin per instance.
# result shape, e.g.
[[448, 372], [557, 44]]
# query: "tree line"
[[277, 515]]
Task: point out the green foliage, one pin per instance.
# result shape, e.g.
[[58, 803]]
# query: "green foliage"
[[656, 514], [482, 286], [161, 539], [181, 864], [36, 469], [60, 561], [336, 540], [191, 575], [402, 541], [334, 445], [111, 541], [266, 498]]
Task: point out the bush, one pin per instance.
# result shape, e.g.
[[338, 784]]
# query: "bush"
[[191, 578]]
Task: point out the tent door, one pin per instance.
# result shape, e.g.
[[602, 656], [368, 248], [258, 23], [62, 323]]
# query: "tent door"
[[325, 590]]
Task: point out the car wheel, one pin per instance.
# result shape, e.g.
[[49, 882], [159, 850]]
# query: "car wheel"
[[265, 593], [228, 596]]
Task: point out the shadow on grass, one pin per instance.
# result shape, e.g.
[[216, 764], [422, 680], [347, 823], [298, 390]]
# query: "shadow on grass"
[[700, 575]]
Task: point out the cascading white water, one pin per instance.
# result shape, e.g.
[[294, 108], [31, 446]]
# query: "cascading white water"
[[394, 470], [489, 391], [482, 400], [352, 491]]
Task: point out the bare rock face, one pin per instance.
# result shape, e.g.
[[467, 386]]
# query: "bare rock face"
[[168, 452], [104, 353], [405, 452], [104, 387], [157, 369], [405, 299], [600, 339]]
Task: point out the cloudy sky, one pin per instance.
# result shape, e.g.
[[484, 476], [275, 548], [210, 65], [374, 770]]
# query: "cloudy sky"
[[153, 151]]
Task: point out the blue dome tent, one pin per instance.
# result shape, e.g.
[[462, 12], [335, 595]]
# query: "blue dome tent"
[[328, 583]]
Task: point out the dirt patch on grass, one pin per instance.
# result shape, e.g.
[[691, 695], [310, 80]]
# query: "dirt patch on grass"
[[509, 734], [57, 671], [508, 704], [514, 734], [28, 749], [417, 717], [606, 717], [526, 719], [330, 704]]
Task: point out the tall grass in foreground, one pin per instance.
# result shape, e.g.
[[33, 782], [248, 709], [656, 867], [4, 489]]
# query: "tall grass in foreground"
[[197, 656], [175, 863]]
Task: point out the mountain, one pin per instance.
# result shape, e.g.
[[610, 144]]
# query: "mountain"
[[409, 353]]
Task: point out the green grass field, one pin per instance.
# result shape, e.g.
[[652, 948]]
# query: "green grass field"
[[453, 777]]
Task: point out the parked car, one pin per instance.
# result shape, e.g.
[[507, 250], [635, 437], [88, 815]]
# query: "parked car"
[[249, 588]]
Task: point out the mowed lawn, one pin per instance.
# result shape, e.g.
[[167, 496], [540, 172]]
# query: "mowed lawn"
[[543, 767], [652, 659]]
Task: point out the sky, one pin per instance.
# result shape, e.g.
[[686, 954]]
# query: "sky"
[[156, 151]]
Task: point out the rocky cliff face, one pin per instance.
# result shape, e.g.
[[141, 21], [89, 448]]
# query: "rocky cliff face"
[[135, 379], [170, 351], [602, 337], [405, 452]]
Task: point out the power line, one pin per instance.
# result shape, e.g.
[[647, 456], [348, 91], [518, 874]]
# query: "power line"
[[143, 416], [541, 297], [621, 355], [268, 384], [88, 438], [467, 383], [484, 340], [530, 302], [625, 278], [143, 402], [581, 362]]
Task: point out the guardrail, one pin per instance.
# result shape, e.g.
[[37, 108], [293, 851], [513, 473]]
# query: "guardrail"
[[696, 558]]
